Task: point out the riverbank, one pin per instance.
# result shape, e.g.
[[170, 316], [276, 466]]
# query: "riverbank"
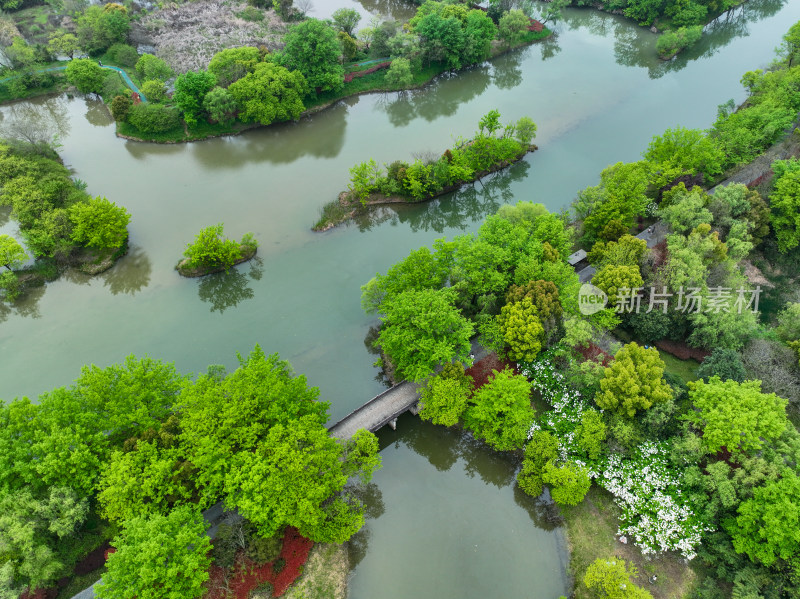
[[348, 205], [369, 84]]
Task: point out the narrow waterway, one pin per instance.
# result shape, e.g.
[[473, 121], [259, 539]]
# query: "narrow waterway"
[[598, 95]]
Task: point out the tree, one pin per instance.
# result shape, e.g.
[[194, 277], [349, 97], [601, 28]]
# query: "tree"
[[522, 330], [541, 448], [100, 28], [525, 130], [421, 330], [222, 416], [723, 363], [190, 91], [349, 46], [611, 578], [679, 151], [159, 557], [154, 118], [618, 282], [479, 31], [220, 105], [294, 478], [31, 529], [625, 251], [12, 254], [785, 206], [443, 399], [154, 90], [735, 416], [513, 27], [270, 93], [687, 211], [211, 249], [790, 48], [86, 75], [552, 10], [346, 19], [633, 381], [231, 64], [151, 67], [313, 49], [399, 74], [591, 434], [20, 53], [121, 107], [99, 224], [788, 328], [621, 196], [441, 39], [500, 412], [568, 482], [671, 42]]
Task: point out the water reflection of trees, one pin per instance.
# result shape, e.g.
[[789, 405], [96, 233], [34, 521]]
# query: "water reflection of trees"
[[455, 210], [371, 497], [224, 290], [27, 306], [635, 47], [440, 98], [5, 215], [41, 120], [130, 274], [398, 10], [507, 69], [319, 135], [97, 114]]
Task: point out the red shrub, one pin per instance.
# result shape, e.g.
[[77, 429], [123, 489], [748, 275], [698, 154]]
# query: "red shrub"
[[535, 26], [679, 349], [595, 353], [483, 369], [93, 560], [246, 575], [356, 74]]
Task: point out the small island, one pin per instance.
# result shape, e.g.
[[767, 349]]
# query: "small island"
[[495, 146], [212, 252]]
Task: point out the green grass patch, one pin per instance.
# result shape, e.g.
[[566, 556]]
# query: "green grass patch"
[[685, 369], [591, 534], [174, 135]]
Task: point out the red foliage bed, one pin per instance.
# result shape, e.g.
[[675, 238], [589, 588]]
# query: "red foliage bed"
[[246, 575], [681, 350], [482, 369], [356, 74]]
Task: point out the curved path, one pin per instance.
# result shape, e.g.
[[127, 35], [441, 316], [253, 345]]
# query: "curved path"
[[122, 73]]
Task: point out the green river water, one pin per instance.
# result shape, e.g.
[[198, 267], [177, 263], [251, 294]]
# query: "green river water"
[[446, 519]]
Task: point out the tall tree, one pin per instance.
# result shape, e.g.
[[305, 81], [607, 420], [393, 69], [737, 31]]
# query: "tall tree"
[[12, 254], [99, 224], [270, 93], [159, 557], [346, 19], [313, 49], [633, 381], [190, 91], [421, 330]]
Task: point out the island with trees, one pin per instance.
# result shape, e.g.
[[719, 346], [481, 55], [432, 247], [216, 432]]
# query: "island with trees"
[[690, 471], [212, 252], [61, 225], [494, 147]]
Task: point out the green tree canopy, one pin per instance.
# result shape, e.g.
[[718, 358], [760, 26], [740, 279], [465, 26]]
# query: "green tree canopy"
[[767, 528], [100, 27], [221, 418], [633, 381], [294, 478], [99, 224], [231, 64], [63, 44], [443, 399], [611, 578], [190, 91], [736, 416], [86, 75], [522, 330], [679, 151], [152, 67], [686, 211], [346, 19], [211, 249], [541, 448], [568, 482], [159, 557], [421, 330], [220, 105], [313, 49], [270, 93], [785, 206], [500, 412], [513, 26], [618, 281], [724, 363], [154, 90], [12, 254]]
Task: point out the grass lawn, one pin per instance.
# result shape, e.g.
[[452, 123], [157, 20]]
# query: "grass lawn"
[[591, 529]]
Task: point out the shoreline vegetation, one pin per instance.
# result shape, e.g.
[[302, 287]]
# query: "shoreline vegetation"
[[428, 177], [372, 83]]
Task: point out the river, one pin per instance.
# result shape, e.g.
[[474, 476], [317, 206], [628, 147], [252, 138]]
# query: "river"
[[598, 95]]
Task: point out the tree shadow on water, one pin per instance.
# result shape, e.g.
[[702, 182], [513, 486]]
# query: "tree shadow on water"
[[131, 274], [27, 305], [456, 210], [225, 290]]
